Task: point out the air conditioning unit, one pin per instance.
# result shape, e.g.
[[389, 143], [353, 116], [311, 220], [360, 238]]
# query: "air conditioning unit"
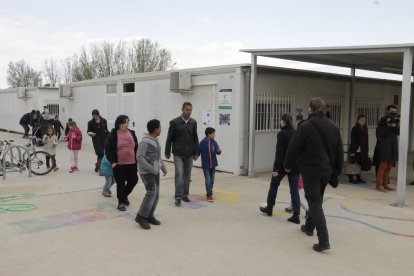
[[65, 91], [21, 92], [180, 82]]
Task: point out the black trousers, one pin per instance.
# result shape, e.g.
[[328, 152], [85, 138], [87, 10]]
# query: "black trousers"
[[26, 129], [314, 191], [126, 177], [53, 161]]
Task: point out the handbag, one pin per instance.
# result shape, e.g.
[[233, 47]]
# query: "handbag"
[[106, 167], [352, 169], [333, 181]]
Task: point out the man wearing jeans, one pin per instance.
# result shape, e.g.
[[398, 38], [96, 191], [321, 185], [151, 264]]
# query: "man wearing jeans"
[[149, 165], [182, 137]]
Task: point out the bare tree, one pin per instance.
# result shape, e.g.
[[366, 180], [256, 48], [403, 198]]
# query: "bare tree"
[[147, 56], [20, 74], [104, 59], [51, 72], [67, 70]]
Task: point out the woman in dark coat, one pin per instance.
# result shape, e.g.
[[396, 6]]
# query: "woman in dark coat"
[[283, 140], [359, 148], [121, 150], [98, 130]]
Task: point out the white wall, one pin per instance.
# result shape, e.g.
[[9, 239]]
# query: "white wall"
[[152, 99], [12, 107]]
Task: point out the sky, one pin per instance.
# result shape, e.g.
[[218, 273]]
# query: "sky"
[[199, 33]]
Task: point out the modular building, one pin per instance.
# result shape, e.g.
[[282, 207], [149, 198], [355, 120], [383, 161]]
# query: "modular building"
[[221, 99], [14, 102]]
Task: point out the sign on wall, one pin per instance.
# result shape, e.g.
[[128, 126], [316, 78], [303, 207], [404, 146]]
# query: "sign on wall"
[[225, 98]]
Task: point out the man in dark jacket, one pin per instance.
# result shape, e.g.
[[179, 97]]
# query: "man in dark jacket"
[[386, 150], [183, 137], [25, 122], [98, 130], [317, 162]]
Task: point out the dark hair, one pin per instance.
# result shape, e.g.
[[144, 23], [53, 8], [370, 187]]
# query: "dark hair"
[[70, 120], [317, 106], [121, 119], [187, 104], [209, 130], [95, 112], [287, 118], [153, 125], [391, 106], [72, 123], [360, 116], [33, 112]]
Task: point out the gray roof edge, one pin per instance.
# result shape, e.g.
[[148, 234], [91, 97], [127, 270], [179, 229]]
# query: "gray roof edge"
[[331, 48]]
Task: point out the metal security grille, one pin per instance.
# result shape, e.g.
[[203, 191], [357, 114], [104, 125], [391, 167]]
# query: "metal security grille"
[[269, 110], [371, 108], [336, 106], [53, 106]]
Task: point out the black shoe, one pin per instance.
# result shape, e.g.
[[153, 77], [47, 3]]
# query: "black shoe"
[[127, 202], [267, 210], [121, 207], [178, 202], [306, 231], [294, 218], [143, 222], [154, 221], [321, 247], [307, 214], [186, 199]]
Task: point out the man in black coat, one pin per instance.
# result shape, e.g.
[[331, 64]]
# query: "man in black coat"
[[98, 130], [183, 138], [318, 161], [386, 150]]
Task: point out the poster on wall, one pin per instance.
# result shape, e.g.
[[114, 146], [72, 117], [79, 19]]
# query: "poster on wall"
[[224, 119], [207, 117], [225, 98]]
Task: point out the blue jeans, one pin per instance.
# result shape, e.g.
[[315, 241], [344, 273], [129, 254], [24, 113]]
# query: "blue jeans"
[[294, 191], [209, 176], [109, 181], [150, 201], [183, 166]]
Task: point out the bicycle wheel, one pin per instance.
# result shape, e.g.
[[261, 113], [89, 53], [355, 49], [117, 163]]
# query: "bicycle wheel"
[[38, 163]]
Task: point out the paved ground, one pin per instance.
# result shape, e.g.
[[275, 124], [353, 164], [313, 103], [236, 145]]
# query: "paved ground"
[[74, 230]]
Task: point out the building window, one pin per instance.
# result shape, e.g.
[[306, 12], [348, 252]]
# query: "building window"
[[129, 87], [371, 108], [53, 106], [269, 110], [111, 89]]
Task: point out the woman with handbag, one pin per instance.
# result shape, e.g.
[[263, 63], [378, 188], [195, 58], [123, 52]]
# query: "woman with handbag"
[[359, 148]]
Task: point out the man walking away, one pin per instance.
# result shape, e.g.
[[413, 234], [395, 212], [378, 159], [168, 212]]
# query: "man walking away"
[[317, 145]]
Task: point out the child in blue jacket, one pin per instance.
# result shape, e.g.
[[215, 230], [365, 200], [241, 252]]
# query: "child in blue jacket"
[[209, 149]]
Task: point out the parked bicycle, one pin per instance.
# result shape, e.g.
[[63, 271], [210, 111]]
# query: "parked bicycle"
[[30, 157]]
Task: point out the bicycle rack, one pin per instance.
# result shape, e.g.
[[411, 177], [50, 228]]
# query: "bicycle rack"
[[16, 167]]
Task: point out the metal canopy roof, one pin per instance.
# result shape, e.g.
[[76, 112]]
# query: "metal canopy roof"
[[379, 58]]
